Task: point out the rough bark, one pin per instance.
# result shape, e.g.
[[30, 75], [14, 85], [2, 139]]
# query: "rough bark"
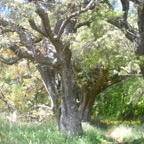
[[140, 41], [69, 118], [86, 106], [90, 96], [87, 103], [70, 121], [49, 80]]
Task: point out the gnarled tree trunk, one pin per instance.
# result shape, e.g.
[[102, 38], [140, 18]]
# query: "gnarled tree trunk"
[[86, 107], [87, 103], [69, 117], [140, 40]]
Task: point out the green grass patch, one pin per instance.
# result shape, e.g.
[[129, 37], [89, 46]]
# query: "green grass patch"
[[47, 133]]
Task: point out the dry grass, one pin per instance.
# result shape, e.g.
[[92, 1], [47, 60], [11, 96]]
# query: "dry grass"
[[120, 133]]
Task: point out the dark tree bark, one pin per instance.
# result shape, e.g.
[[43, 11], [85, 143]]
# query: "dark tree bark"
[[49, 80], [140, 40], [86, 106], [69, 119], [69, 116], [91, 94]]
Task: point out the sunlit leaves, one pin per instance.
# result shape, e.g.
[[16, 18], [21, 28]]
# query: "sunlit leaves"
[[5, 42], [104, 45], [21, 86]]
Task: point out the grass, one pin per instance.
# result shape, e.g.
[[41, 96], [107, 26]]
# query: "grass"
[[47, 133], [127, 134]]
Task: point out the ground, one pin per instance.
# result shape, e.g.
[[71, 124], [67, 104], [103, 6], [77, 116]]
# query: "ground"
[[46, 132]]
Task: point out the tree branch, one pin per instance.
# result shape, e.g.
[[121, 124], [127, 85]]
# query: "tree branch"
[[125, 8], [2, 97], [122, 24], [46, 23], [74, 14], [127, 29], [9, 61], [21, 53], [36, 28], [85, 23], [34, 55], [26, 39]]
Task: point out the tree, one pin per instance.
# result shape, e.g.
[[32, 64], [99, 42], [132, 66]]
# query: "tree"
[[123, 23], [61, 67], [100, 61], [44, 36]]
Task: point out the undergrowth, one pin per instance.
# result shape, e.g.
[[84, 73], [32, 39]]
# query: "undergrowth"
[[48, 133]]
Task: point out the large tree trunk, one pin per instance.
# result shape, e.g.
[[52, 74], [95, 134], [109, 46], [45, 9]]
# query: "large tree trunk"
[[49, 80], [140, 40], [69, 118], [86, 106]]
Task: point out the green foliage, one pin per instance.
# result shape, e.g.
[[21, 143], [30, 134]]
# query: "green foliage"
[[101, 46], [16, 89], [122, 100], [5, 42], [97, 45]]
